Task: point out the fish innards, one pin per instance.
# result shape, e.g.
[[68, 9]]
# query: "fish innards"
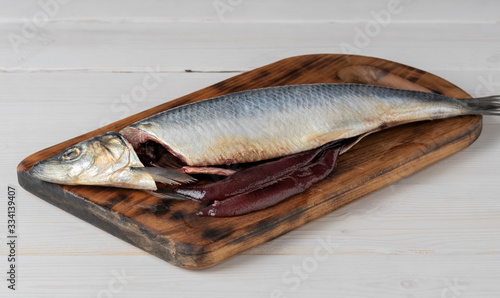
[[265, 145]]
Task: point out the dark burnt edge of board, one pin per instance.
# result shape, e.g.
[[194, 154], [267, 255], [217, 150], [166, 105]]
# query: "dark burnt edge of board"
[[117, 225]]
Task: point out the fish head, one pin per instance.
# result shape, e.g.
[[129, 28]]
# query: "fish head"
[[106, 159]]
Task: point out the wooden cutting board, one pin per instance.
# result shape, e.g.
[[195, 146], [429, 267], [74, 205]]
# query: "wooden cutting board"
[[173, 232]]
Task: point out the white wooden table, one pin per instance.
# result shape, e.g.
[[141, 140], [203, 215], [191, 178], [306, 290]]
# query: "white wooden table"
[[434, 234]]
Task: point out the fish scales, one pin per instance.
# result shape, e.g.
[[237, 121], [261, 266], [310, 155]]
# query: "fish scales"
[[271, 122]]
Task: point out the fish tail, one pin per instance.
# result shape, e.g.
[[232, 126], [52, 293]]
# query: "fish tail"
[[489, 105]]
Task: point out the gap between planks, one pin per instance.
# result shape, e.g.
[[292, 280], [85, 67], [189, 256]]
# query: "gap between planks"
[[233, 21], [141, 70]]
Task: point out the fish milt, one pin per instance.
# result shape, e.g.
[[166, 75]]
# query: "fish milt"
[[296, 132]]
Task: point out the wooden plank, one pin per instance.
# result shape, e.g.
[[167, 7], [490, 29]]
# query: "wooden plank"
[[338, 276], [171, 230], [238, 47], [254, 11]]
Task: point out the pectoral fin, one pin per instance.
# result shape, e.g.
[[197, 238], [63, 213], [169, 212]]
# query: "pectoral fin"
[[167, 176]]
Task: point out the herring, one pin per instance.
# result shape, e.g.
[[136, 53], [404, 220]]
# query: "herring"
[[243, 127]]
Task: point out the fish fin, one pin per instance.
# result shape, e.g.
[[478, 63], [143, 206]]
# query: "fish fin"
[[167, 176], [169, 194], [353, 141], [489, 105], [208, 170]]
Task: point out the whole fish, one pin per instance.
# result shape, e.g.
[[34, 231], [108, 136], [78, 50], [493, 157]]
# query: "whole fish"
[[247, 126]]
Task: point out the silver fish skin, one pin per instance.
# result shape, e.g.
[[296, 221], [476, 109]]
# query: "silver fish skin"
[[271, 122]]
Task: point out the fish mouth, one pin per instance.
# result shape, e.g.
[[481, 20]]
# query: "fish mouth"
[[47, 170], [36, 170]]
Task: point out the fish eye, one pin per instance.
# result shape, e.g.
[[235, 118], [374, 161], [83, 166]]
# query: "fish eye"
[[71, 154]]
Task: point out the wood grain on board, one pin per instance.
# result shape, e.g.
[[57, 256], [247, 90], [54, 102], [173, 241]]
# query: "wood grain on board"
[[170, 229]]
